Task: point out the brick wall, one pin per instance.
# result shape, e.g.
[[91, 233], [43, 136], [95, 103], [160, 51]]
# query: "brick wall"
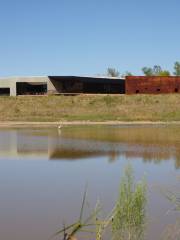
[[152, 85]]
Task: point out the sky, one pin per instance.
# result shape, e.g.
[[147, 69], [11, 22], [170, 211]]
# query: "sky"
[[85, 37]]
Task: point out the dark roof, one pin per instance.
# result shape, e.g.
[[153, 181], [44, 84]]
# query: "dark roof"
[[89, 79]]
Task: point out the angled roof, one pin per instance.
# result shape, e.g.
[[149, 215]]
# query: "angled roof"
[[95, 79]]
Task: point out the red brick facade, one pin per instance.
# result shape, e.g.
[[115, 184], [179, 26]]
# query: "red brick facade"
[[152, 84]]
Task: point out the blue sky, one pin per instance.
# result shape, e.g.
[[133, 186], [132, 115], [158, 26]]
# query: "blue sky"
[[79, 37]]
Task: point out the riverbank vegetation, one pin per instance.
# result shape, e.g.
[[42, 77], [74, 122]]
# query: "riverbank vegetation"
[[91, 108], [125, 221]]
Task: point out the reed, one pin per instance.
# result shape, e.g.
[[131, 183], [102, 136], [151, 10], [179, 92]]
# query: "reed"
[[129, 215], [69, 232], [126, 219]]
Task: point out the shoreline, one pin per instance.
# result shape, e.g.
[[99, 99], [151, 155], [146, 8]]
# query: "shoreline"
[[21, 124]]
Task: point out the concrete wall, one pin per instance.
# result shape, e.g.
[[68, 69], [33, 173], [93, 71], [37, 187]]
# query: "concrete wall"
[[53, 86], [152, 84], [11, 82], [64, 84]]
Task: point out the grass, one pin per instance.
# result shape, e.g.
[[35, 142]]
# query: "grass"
[[126, 219], [129, 218], [91, 108], [70, 231]]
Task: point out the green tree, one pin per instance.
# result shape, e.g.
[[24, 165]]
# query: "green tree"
[[176, 69], [130, 210], [147, 71], [112, 72], [155, 71], [127, 73]]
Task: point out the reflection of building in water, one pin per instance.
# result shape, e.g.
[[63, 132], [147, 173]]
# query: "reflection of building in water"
[[72, 149], [50, 145], [8, 143], [113, 156], [68, 148], [28, 145], [13, 143]]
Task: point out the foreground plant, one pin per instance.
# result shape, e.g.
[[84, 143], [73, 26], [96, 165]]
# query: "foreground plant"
[[129, 217], [69, 232], [126, 220]]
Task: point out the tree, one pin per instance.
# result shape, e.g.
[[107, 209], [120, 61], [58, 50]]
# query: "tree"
[[127, 73], [176, 69], [164, 73], [155, 71], [112, 72], [147, 71]]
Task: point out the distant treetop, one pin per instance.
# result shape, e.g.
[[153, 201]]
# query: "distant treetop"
[[155, 71], [177, 69], [112, 72]]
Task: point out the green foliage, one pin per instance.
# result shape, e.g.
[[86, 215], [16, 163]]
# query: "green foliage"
[[147, 71], [126, 219], [164, 73], [177, 69], [155, 71], [127, 73], [112, 72], [129, 218]]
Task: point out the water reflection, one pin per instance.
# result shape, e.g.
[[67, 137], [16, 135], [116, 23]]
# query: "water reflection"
[[37, 195], [149, 143]]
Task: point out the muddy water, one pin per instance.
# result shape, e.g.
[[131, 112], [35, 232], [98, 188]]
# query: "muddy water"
[[43, 173]]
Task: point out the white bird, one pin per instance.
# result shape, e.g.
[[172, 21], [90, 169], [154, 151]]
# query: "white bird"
[[60, 125]]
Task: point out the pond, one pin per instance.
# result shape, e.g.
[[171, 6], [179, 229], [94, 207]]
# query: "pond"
[[44, 171]]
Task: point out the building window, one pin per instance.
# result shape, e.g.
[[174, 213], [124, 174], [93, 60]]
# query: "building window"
[[4, 91], [137, 91], [158, 89], [176, 89]]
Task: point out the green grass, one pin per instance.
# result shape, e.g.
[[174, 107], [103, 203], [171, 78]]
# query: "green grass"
[[129, 218], [91, 108]]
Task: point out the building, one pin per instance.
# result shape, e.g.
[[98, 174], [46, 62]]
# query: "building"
[[60, 85], [45, 85], [152, 84]]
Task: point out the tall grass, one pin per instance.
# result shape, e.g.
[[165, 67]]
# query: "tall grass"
[[129, 218], [126, 219]]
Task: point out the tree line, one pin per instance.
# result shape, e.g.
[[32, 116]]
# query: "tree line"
[[156, 70]]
